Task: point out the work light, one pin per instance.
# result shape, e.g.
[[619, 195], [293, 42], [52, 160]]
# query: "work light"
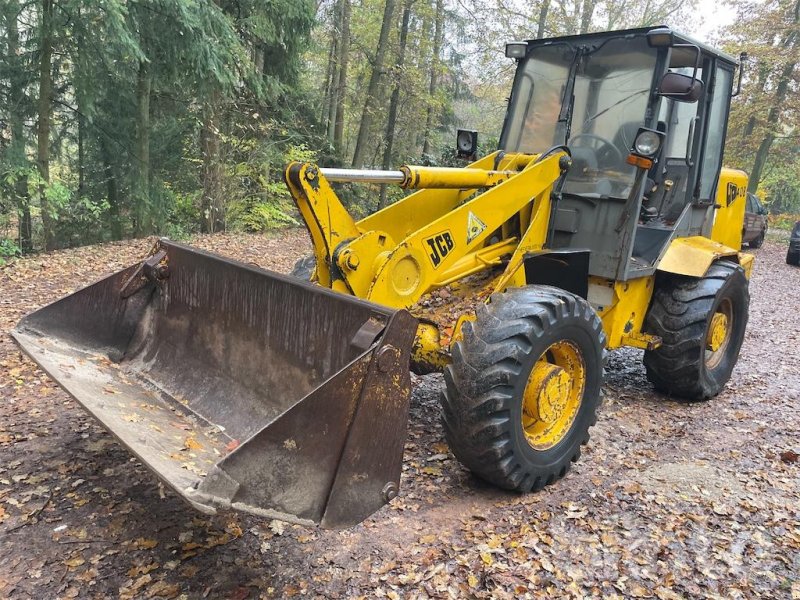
[[466, 142], [516, 50], [660, 37]]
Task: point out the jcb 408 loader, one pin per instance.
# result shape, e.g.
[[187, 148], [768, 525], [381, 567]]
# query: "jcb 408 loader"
[[603, 220]]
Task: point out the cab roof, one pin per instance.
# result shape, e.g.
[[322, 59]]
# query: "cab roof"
[[680, 38]]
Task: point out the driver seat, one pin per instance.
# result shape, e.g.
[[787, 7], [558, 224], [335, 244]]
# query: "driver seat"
[[625, 136]]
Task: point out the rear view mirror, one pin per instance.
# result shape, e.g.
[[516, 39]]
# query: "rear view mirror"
[[680, 87]]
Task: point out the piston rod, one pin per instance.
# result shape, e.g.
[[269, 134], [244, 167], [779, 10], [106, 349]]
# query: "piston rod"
[[363, 176], [415, 177]]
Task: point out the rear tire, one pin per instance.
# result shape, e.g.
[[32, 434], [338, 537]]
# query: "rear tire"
[[304, 268], [793, 258], [759, 241], [699, 348], [486, 412]]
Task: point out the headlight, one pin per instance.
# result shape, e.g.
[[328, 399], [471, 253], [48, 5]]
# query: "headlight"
[[647, 143]]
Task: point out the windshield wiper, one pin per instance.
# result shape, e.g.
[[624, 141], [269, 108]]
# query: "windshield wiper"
[[617, 103], [565, 116]]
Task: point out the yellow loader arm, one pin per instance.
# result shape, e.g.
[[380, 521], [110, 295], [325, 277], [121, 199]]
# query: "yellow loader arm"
[[433, 237]]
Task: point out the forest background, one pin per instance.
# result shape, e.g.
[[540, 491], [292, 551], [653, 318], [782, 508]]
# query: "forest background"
[[127, 118]]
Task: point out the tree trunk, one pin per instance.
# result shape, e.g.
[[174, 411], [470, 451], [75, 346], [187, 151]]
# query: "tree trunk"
[[763, 74], [759, 162], [395, 100], [111, 190], [16, 148], [213, 200], [372, 89], [333, 92], [330, 74], [586, 15], [438, 29], [772, 123], [781, 91], [141, 184], [543, 10], [43, 126], [341, 93], [81, 174]]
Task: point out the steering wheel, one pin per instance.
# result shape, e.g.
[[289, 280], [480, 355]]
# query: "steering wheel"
[[603, 149]]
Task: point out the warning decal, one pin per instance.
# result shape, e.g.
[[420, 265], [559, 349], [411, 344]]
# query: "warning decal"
[[474, 227]]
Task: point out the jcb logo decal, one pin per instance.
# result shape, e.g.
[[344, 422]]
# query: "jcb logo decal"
[[439, 246], [732, 193]]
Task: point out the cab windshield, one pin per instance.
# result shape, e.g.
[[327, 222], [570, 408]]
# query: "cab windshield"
[[610, 96]]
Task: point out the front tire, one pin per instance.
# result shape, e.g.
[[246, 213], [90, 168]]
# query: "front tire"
[[759, 241], [524, 386], [793, 257], [701, 322]]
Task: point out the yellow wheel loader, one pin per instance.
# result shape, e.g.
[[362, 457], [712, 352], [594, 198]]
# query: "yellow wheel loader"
[[604, 219]]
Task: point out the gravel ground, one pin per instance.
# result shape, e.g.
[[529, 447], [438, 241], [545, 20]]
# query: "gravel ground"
[[668, 501]]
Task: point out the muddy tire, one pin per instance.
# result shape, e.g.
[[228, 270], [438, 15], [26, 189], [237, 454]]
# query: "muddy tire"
[[702, 323], [304, 268], [759, 241], [486, 412], [793, 258]]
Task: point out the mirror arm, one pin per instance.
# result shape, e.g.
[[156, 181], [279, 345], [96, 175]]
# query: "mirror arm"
[[696, 63], [742, 61]]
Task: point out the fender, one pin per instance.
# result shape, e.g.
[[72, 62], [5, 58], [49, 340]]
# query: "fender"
[[692, 256]]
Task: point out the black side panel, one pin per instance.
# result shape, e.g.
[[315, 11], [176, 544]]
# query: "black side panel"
[[567, 269]]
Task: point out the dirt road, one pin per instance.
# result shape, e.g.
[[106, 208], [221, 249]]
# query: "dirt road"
[[669, 500]]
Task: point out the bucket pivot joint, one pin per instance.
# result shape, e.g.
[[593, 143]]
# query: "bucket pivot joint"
[[151, 270]]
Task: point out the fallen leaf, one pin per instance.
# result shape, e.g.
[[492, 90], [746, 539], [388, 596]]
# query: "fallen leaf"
[[192, 444], [74, 562], [162, 589], [138, 570], [789, 456]]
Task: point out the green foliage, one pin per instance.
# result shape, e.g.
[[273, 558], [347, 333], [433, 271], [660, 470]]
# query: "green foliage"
[[8, 249], [183, 218], [261, 204], [783, 221], [780, 188], [81, 221], [256, 215]]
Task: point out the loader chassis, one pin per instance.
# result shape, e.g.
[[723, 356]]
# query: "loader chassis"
[[603, 220], [570, 201]]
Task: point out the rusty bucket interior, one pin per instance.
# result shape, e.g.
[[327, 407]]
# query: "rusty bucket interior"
[[238, 387]]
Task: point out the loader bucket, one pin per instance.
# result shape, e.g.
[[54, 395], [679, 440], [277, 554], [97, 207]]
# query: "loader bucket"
[[238, 387]]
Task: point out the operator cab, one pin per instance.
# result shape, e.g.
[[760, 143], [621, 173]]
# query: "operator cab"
[[595, 94]]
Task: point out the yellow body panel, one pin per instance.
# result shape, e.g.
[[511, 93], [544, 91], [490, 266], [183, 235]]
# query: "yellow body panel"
[[624, 310], [693, 256], [729, 215]]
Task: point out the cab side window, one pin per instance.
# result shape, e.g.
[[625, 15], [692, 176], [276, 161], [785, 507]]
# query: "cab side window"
[[715, 138]]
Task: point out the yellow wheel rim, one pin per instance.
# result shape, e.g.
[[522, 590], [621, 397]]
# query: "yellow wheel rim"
[[553, 395], [719, 333]]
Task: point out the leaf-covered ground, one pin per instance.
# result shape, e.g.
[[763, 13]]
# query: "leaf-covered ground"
[[669, 500]]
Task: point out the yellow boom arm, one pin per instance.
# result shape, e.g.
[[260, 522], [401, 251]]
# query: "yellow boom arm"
[[396, 264]]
